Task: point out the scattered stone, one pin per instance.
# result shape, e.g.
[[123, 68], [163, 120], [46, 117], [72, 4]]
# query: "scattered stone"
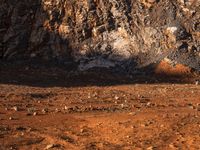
[[89, 95], [150, 148], [57, 110], [15, 108], [128, 136], [149, 104], [132, 127], [122, 105], [191, 106], [116, 97], [45, 110], [66, 108], [11, 118], [35, 113], [143, 125], [161, 125], [132, 113], [22, 134], [197, 82], [12, 148], [83, 130], [50, 146], [30, 129], [171, 146]]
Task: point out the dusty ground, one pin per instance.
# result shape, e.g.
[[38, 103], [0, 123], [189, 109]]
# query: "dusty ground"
[[49, 108]]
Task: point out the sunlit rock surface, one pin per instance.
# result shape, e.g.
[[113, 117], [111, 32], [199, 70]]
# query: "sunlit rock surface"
[[101, 33]]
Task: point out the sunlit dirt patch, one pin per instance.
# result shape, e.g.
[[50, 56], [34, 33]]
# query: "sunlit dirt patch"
[[167, 69]]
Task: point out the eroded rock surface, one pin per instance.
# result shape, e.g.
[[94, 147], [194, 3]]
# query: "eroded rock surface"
[[101, 33]]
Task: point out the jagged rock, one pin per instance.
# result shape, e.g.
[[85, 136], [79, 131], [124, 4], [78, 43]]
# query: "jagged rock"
[[111, 31]]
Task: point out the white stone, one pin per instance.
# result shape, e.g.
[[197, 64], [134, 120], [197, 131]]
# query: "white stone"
[[172, 29]]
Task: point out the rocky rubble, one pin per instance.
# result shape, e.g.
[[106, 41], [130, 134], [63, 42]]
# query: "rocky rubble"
[[102, 33]]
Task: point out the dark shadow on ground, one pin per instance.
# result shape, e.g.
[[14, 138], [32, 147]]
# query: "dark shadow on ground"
[[46, 74]]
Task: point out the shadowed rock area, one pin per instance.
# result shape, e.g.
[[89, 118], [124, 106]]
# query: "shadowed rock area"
[[101, 33]]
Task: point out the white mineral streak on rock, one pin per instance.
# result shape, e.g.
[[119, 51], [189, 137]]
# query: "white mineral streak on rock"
[[99, 62], [172, 29], [120, 42]]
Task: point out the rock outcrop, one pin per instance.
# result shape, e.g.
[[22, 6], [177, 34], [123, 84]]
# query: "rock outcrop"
[[102, 33]]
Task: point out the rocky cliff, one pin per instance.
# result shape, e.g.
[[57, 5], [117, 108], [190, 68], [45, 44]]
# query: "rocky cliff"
[[102, 33]]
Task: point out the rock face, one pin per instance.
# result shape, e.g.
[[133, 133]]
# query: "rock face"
[[102, 33]]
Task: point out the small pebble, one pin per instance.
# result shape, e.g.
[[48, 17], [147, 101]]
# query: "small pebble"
[[122, 105], [150, 148], [191, 106], [66, 108], [132, 113], [15, 108], [89, 96], [161, 125], [50, 146], [149, 104], [57, 110], [83, 130], [116, 97], [171, 146], [45, 110]]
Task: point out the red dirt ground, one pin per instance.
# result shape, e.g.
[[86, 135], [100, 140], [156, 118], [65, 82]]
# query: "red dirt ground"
[[51, 108]]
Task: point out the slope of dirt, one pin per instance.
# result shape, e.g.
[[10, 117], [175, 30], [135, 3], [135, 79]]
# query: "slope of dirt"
[[52, 108]]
